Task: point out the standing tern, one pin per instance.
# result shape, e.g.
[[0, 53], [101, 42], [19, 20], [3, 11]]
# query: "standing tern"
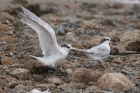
[[97, 53], [53, 53]]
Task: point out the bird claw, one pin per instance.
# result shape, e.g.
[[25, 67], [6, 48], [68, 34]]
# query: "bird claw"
[[101, 64]]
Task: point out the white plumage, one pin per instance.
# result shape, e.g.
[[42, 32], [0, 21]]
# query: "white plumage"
[[52, 52], [99, 52], [37, 91]]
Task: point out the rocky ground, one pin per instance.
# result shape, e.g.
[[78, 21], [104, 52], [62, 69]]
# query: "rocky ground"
[[82, 24]]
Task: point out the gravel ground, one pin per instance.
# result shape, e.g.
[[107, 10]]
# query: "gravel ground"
[[82, 24]]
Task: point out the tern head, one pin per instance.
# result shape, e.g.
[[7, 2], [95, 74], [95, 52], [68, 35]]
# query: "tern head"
[[66, 46], [105, 40]]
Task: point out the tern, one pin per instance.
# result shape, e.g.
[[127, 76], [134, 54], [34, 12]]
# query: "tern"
[[37, 91], [52, 52], [97, 53]]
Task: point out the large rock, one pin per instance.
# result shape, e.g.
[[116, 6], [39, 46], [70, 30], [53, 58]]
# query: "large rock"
[[20, 73], [85, 75], [115, 81], [131, 41]]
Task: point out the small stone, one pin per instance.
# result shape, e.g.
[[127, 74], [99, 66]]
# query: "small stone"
[[76, 85], [115, 81], [21, 87], [88, 25], [125, 72], [66, 87], [12, 84], [61, 30], [107, 22], [136, 7], [93, 32], [73, 25], [20, 73], [45, 85], [92, 88], [137, 84], [5, 15], [93, 10], [117, 6], [80, 31], [85, 75], [133, 90], [54, 80], [46, 8], [69, 71], [10, 79], [69, 5]]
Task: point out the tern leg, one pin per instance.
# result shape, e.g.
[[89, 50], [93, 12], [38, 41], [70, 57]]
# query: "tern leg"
[[100, 63], [59, 70]]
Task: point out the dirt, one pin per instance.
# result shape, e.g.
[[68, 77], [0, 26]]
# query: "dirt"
[[84, 23]]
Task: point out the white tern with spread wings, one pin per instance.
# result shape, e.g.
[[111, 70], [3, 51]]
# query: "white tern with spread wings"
[[52, 52]]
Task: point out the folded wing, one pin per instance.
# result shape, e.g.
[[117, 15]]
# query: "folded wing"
[[100, 50]]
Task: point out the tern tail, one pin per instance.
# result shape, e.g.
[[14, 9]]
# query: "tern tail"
[[80, 50], [44, 61]]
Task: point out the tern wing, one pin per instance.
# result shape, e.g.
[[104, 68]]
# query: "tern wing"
[[99, 50], [46, 34]]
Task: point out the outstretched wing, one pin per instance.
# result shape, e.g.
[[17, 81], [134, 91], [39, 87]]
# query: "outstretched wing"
[[46, 34]]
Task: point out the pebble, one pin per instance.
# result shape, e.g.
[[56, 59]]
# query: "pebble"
[[66, 87], [76, 85], [69, 71], [54, 80], [137, 84], [12, 84], [136, 7], [88, 25], [91, 88], [61, 30], [107, 22], [45, 85], [10, 79], [125, 72], [133, 90], [46, 8], [93, 32], [138, 15], [80, 31], [73, 25], [5, 15]]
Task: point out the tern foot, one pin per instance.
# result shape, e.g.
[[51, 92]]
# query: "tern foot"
[[60, 72], [99, 62]]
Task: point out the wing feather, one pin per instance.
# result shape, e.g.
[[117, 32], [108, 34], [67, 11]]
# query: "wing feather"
[[46, 34], [99, 51]]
